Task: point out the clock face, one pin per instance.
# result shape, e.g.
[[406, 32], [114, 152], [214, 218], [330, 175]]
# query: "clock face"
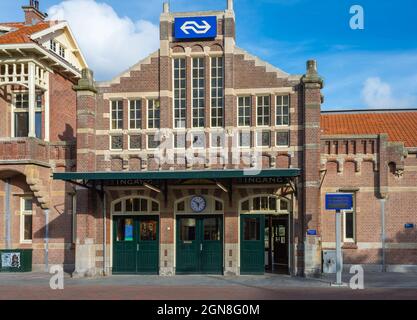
[[198, 204]]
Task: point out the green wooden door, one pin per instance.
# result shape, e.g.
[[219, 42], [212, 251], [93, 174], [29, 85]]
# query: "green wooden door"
[[124, 244], [135, 245], [252, 246], [188, 245], [211, 254], [147, 254], [199, 245]]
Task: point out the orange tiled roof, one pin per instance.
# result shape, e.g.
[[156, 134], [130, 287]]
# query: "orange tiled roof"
[[401, 126], [22, 33]]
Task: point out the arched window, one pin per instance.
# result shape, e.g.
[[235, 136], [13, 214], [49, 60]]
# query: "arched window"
[[136, 205], [266, 204]]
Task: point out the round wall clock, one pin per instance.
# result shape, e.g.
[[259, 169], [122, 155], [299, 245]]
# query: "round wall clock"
[[198, 204]]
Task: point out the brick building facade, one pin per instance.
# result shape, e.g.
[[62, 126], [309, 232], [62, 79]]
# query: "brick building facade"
[[204, 159], [39, 64]]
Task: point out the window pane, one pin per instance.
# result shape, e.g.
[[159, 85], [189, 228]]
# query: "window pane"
[[155, 206], [38, 125], [28, 227], [117, 142], [125, 229], [179, 140], [272, 204], [349, 233], [199, 140], [135, 142], [143, 205], [21, 124], [245, 205], [257, 203], [27, 204], [118, 207], [283, 138], [245, 139], [283, 205], [181, 206], [153, 142], [251, 229], [211, 229], [187, 232], [148, 230]]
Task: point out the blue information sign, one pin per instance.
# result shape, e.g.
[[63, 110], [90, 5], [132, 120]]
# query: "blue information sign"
[[195, 27], [312, 232], [409, 226], [339, 201]]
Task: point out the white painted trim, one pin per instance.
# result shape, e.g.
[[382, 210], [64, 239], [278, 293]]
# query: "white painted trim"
[[22, 214]]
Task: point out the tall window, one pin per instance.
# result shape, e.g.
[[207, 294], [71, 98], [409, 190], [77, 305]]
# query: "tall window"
[[21, 115], [349, 226], [180, 97], [244, 111], [62, 51], [26, 214], [135, 114], [153, 114], [198, 92], [283, 111], [117, 115], [264, 109], [217, 92]]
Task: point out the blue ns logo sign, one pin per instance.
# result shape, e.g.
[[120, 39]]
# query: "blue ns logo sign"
[[195, 27]]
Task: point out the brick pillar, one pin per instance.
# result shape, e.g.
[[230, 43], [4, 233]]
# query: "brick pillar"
[[86, 117], [88, 210], [312, 84]]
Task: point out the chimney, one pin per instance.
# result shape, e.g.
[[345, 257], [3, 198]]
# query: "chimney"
[[230, 5], [32, 13]]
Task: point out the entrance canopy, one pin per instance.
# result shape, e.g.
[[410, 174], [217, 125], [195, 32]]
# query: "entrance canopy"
[[177, 175]]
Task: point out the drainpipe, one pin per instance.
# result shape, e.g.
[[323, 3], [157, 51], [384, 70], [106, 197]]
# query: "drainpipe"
[[382, 201], [8, 215], [46, 211]]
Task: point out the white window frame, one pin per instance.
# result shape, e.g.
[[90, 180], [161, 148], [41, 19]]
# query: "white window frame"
[[24, 213], [181, 90], [353, 211], [62, 50], [259, 132], [25, 110], [201, 66], [281, 107], [135, 119], [134, 134], [263, 106], [217, 97], [276, 140], [223, 134], [239, 116], [111, 115], [116, 135], [147, 140], [185, 139], [53, 45], [192, 133], [250, 139], [153, 118]]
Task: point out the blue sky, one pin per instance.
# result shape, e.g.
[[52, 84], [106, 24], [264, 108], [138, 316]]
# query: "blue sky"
[[370, 68]]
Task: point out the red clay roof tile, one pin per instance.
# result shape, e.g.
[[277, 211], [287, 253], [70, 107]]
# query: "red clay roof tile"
[[400, 126]]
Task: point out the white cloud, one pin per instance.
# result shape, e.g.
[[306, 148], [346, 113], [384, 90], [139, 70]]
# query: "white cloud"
[[109, 42], [377, 94]]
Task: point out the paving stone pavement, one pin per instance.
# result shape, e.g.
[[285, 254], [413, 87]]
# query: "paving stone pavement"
[[143, 287]]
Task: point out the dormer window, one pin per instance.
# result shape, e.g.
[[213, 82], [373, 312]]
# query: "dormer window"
[[52, 45], [62, 51]]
